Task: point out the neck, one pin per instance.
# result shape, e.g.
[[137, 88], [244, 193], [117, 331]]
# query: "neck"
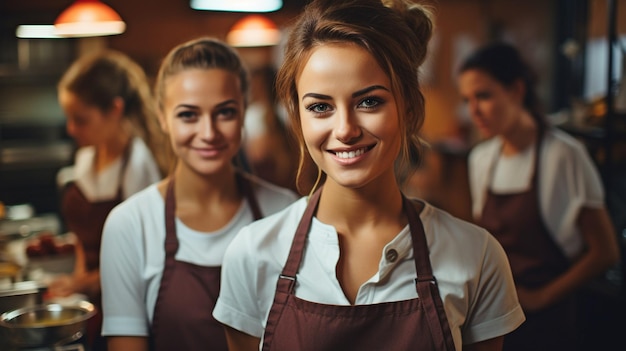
[[112, 149], [520, 135], [349, 209], [200, 188]]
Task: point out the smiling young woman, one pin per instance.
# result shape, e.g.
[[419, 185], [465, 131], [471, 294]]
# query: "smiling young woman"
[[162, 249], [356, 265]]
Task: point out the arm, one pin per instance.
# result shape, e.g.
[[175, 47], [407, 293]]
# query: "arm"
[[240, 341], [602, 252], [81, 280], [127, 343], [494, 344]]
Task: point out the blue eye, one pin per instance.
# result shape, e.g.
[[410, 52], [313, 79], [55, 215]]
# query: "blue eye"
[[370, 102], [186, 115], [318, 108], [227, 113]]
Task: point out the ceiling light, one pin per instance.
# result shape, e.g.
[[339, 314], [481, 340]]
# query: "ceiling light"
[[88, 18], [253, 30], [36, 31], [237, 5]]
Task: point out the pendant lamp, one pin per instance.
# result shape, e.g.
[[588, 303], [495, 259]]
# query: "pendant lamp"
[[252, 31], [237, 5], [88, 18]]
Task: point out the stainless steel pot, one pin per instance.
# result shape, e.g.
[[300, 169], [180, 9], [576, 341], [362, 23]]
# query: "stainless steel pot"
[[46, 325], [21, 294]]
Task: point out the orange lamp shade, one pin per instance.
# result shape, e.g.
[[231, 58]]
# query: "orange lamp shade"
[[87, 18], [253, 30]]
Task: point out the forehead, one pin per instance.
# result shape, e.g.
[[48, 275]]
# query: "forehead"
[[335, 65], [196, 79]]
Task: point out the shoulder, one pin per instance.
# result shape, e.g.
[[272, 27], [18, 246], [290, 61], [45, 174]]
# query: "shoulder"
[[139, 147], [138, 205], [559, 143], [564, 155], [140, 154], [85, 155], [446, 232], [271, 197], [271, 233], [484, 150]]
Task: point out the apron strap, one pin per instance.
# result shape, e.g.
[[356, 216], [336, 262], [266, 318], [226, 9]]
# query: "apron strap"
[[426, 284], [246, 188], [171, 247], [288, 277]]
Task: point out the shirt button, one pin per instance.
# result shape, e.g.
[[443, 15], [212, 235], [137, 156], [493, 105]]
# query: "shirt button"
[[391, 255]]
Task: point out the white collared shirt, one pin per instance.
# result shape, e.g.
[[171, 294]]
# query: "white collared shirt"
[[471, 268], [141, 171], [567, 179]]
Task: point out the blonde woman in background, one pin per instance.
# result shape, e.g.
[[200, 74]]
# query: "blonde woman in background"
[[110, 114], [162, 249]]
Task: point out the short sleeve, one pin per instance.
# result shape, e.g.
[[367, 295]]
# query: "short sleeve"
[[123, 287], [569, 182], [237, 303], [494, 308]]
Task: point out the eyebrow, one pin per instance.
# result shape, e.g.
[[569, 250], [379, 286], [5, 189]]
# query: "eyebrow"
[[355, 94], [221, 104]]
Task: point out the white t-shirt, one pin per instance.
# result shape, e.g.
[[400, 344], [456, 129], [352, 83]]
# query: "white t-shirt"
[[141, 171], [132, 254], [568, 181], [471, 268]]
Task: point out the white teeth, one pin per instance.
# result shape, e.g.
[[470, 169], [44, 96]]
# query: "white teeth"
[[350, 154]]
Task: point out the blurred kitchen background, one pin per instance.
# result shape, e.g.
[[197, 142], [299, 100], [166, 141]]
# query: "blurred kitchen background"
[[582, 83]]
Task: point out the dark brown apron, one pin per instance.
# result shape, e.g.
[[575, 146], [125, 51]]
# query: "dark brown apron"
[[86, 220], [183, 312], [535, 259], [416, 324]]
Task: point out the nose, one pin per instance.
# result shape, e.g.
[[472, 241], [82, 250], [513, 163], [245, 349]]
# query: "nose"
[[473, 108], [347, 128], [208, 128], [70, 128]]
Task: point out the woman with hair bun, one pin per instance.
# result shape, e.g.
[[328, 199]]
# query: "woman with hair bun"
[[356, 265]]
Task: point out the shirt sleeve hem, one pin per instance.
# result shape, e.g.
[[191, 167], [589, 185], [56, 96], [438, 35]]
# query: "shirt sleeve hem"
[[237, 320], [495, 327], [124, 326]]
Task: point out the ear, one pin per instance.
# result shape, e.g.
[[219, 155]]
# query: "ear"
[[162, 121], [518, 90], [117, 108]]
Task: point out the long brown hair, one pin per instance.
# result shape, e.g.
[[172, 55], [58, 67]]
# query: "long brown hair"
[[395, 32]]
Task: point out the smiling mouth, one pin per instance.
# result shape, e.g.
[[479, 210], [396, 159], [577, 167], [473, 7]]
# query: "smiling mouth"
[[352, 153]]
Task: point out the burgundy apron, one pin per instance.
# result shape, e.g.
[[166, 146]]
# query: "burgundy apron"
[[86, 220], [535, 258], [183, 312], [416, 324]]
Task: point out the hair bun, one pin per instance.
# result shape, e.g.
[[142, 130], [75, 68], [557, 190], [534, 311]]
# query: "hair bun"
[[419, 19]]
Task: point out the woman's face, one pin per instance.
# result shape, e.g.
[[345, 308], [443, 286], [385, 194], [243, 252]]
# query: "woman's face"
[[348, 113], [493, 107], [87, 124], [203, 116]]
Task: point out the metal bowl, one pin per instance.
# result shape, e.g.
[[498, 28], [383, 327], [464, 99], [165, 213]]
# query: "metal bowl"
[[45, 325]]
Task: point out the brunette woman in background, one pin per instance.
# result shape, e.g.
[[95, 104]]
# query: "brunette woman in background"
[[537, 191]]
